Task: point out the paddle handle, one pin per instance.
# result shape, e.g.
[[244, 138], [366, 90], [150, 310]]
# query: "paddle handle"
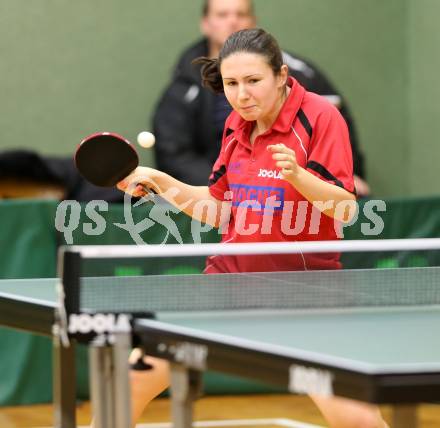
[[147, 190]]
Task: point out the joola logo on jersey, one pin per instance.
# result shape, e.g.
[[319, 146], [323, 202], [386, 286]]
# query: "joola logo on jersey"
[[263, 197], [270, 173]]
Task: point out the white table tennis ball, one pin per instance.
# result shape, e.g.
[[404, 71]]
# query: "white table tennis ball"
[[146, 139]]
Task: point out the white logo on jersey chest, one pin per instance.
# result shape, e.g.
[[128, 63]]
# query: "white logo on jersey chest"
[[267, 173]]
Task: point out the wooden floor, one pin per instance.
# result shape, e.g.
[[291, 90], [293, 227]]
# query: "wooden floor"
[[208, 408]]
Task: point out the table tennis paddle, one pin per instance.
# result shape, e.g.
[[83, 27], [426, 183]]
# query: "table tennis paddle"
[[105, 158]]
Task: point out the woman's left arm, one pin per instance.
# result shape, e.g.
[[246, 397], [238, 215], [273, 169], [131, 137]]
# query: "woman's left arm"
[[330, 199]]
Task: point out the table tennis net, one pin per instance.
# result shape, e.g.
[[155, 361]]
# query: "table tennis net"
[[146, 279], [274, 290]]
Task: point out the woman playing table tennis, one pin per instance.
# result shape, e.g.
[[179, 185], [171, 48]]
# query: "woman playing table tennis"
[[284, 173]]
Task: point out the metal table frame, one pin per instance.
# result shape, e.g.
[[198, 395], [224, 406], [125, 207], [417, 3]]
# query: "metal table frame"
[[191, 353]]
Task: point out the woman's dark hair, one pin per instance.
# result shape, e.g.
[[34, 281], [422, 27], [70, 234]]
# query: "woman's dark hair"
[[255, 41]]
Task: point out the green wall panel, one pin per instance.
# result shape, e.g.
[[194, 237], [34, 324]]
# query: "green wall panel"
[[71, 68], [424, 64]]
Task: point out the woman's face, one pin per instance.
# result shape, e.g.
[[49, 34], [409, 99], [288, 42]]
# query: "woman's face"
[[250, 85]]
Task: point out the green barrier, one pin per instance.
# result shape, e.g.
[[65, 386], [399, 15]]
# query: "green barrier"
[[29, 241], [28, 250], [403, 218]]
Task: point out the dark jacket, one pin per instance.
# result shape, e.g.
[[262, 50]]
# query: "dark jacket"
[[187, 141]]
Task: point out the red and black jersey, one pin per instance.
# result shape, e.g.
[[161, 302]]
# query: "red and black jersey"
[[265, 207]]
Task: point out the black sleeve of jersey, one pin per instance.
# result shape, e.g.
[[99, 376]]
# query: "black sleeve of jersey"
[[314, 80], [174, 125]]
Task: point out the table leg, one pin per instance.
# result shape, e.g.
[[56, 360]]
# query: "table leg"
[[101, 385], [405, 416], [121, 353], [186, 387], [64, 384], [109, 382]]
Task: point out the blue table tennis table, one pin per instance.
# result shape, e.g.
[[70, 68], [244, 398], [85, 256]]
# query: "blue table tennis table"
[[371, 335]]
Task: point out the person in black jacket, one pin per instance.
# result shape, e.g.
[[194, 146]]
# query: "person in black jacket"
[[189, 119]]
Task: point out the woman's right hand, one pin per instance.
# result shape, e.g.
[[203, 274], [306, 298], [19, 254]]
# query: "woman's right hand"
[[138, 181]]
